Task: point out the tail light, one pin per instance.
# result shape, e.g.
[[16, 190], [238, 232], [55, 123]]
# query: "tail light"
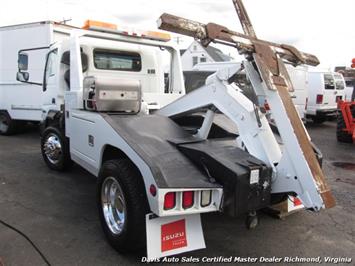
[[169, 200], [319, 99], [187, 199], [206, 196]]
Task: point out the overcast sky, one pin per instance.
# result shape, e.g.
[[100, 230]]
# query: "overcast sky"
[[322, 27]]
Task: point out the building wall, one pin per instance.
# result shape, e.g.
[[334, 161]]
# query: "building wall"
[[195, 50]]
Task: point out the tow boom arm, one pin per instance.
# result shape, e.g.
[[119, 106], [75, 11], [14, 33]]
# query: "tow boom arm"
[[295, 165]]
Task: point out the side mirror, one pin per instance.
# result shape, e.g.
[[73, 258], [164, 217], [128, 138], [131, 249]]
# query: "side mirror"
[[23, 73], [23, 76]]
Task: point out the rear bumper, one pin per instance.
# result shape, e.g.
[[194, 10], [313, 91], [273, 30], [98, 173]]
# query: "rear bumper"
[[322, 113], [327, 112]]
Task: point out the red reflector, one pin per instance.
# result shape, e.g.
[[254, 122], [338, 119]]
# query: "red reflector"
[[319, 99], [153, 190], [187, 199], [266, 106], [297, 201], [169, 200]]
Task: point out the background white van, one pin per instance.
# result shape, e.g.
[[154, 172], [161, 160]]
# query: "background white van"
[[325, 88]]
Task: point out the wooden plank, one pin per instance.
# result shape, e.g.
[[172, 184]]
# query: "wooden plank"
[[275, 76], [303, 140], [244, 18]]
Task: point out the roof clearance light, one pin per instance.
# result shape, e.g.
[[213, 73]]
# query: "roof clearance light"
[[112, 28], [98, 24], [155, 35]]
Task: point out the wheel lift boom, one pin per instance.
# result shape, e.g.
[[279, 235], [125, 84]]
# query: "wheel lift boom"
[[295, 165]]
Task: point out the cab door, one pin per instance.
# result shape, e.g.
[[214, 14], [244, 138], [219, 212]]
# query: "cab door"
[[51, 81]]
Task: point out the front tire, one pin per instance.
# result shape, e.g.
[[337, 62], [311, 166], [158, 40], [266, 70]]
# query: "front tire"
[[55, 149], [122, 205]]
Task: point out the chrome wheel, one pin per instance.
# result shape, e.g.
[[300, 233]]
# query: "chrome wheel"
[[113, 205], [4, 124], [52, 148]]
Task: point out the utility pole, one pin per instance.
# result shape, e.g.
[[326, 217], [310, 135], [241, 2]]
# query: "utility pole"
[[178, 39]]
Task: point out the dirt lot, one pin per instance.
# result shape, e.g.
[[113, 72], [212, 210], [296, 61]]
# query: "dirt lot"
[[58, 212]]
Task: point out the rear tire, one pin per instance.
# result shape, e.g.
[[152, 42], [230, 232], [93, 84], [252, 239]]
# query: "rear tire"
[[8, 126], [342, 136], [55, 149], [122, 216]]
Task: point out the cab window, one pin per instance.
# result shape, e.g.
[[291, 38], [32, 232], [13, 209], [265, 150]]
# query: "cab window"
[[117, 60], [51, 64], [329, 82]]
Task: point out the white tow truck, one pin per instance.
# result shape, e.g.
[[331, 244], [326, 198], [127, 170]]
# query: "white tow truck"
[[162, 157]]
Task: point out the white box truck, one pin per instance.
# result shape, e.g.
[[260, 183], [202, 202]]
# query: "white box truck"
[[21, 102]]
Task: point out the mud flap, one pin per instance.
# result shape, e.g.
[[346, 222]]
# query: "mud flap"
[[172, 235]]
